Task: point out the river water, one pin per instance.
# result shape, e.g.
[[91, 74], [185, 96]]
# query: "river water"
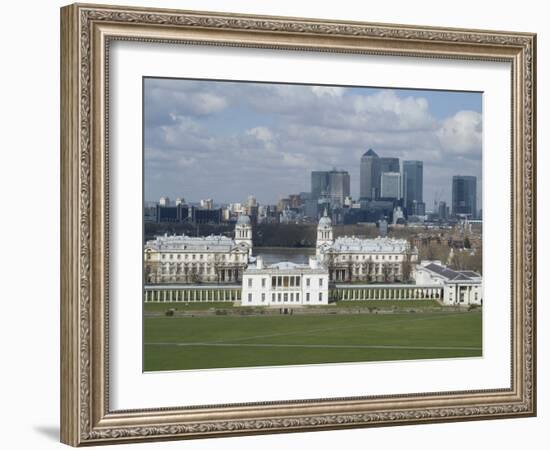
[[273, 255]]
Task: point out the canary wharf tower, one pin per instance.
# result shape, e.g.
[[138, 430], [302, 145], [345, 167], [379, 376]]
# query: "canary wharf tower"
[[369, 176]]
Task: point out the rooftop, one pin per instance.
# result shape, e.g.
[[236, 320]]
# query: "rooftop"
[[377, 245], [191, 243], [370, 152], [452, 275], [287, 266]]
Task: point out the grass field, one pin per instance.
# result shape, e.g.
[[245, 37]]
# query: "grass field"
[[178, 343], [378, 304], [185, 306]]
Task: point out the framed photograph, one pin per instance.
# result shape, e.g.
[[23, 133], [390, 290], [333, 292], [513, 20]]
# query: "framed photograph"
[[276, 224]]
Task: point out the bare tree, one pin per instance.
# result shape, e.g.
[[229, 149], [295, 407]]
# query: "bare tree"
[[406, 265], [194, 276], [386, 272]]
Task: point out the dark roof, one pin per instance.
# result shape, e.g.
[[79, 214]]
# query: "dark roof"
[[450, 274], [370, 152], [470, 273]]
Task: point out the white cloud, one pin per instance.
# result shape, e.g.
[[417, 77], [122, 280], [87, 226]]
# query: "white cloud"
[[328, 91], [206, 103], [462, 133], [278, 133], [261, 133]]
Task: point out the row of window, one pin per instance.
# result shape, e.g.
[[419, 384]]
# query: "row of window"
[[169, 268], [284, 281], [368, 257], [378, 269], [197, 265], [199, 256], [286, 297]]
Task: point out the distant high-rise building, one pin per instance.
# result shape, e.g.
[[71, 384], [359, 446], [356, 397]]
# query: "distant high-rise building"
[[338, 187], [295, 201], [207, 203], [389, 164], [309, 204], [180, 201], [283, 203], [418, 208], [413, 183], [443, 211], [465, 195], [390, 185], [251, 201], [319, 183], [164, 201], [369, 177]]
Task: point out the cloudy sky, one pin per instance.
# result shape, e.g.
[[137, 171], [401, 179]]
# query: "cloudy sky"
[[227, 140]]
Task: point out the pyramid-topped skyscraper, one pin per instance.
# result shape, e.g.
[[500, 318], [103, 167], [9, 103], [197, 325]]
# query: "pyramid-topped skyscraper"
[[369, 178]]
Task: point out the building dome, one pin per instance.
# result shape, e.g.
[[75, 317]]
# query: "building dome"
[[325, 220], [243, 220]]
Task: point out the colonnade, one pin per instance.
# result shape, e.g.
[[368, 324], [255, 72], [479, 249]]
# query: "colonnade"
[[388, 292], [195, 294], [339, 293]]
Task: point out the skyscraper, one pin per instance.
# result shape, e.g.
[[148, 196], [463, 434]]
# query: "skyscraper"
[[465, 195], [369, 177], [390, 185], [443, 211], [339, 187], [389, 165], [413, 183], [319, 183]]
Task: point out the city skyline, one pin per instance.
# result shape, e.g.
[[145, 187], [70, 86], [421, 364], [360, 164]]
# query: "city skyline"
[[228, 140]]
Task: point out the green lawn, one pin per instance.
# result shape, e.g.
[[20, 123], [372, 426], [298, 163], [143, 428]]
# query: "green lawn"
[[388, 304], [379, 304], [178, 343], [185, 306]]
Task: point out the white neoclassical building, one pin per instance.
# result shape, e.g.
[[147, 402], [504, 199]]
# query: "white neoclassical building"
[[285, 284], [187, 259], [351, 259], [463, 287]]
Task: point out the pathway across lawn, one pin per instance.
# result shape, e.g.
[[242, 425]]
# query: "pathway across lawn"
[[178, 343]]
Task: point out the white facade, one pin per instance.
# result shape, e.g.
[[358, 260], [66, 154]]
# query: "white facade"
[[390, 185], [359, 259], [285, 284], [243, 232], [459, 287], [210, 259], [325, 235]]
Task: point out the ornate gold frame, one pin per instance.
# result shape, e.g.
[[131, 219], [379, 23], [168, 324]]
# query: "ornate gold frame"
[[86, 31]]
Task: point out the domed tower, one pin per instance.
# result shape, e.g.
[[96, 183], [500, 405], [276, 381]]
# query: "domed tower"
[[324, 232], [243, 231]]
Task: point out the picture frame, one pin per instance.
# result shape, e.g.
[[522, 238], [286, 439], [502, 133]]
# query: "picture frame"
[[87, 32]]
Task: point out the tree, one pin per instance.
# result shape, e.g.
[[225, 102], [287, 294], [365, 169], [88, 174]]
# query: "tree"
[[406, 266], [350, 270], [459, 261], [434, 251], [386, 271], [477, 260], [194, 276]]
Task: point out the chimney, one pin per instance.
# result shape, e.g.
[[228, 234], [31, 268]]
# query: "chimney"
[[259, 262]]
